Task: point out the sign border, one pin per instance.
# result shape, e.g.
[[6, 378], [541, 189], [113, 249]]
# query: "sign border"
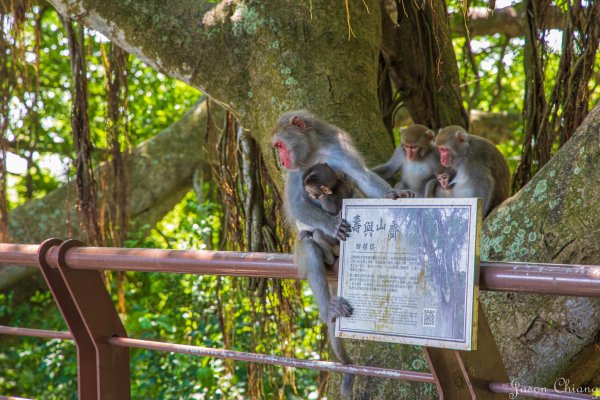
[[469, 342]]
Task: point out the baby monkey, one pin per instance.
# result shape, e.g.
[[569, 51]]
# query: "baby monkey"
[[441, 185], [329, 188]]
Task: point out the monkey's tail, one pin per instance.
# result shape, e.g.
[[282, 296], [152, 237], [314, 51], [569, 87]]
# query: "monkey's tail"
[[346, 388], [340, 353]]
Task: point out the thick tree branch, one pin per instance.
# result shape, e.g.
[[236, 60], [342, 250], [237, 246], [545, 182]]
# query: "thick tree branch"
[[549, 220], [198, 42], [509, 21], [259, 58], [160, 173]]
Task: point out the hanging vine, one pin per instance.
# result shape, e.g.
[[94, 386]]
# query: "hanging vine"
[[423, 69], [253, 221], [114, 215], [549, 123], [12, 78], [5, 93], [86, 183]]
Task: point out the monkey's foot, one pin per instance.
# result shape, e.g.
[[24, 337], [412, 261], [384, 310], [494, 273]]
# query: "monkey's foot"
[[400, 194], [304, 235], [328, 257], [339, 307], [343, 229]]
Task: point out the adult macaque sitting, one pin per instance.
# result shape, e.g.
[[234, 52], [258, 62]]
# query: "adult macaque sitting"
[[302, 141], [415, 159], [481, 170]]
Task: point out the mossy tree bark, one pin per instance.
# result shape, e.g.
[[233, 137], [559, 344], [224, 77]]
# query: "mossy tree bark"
[[551, 220], [260, 58]]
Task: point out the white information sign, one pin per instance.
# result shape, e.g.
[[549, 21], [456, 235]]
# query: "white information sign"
[[410, 270]]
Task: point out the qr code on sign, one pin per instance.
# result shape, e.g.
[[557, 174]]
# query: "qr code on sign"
[[429, 317]]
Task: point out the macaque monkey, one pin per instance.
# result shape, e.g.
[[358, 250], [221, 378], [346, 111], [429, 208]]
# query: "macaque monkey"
[[441, 185], [415, 159], [329, 187], [481, 170], [302, 141]]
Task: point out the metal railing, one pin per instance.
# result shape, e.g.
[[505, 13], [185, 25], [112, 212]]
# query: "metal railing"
[[72, 274]]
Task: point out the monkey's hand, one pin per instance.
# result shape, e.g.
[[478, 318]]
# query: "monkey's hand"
[[339, 307], [400, 194], [342, 229]]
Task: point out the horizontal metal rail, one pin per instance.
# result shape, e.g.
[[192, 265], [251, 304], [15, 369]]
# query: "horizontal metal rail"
[[41, 333], [554, 279], [71, 273], [273, 360], [495, 387], [234, 355]]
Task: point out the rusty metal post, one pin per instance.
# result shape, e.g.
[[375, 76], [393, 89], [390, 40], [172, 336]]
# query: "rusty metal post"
[[86, 354], [101, 322], [466, 374]]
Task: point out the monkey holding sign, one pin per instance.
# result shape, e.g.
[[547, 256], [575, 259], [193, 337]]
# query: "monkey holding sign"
[[329, 188], [304, 140], [415, 159], [481, 170]]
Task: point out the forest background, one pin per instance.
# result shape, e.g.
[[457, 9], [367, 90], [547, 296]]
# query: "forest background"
[[166, 145]]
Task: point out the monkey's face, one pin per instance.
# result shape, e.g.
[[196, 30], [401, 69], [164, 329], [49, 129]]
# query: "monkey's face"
[[293, 142], [416, 142], [445, 156], [412, 152], [451, 142], [317, 192], [313, 192], [444, 180]]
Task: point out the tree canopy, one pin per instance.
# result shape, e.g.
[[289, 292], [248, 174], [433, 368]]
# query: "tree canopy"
[[147, 124]]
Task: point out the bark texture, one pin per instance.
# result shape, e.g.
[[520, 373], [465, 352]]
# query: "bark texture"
[[161, 172], [551, 220], [418, 48]]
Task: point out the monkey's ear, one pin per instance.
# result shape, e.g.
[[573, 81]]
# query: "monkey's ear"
[[460, 136], [430, 134], [326, 190], [299, 122]]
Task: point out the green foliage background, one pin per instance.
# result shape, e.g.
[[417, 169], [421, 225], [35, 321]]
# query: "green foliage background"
[[171, 307]]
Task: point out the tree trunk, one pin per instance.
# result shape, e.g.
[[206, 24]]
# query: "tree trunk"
[[552, 220], [160, 172], [418, 47], [261, 58]]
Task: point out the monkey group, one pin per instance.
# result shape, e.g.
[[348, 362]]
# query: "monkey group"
[[323, 167], [452, 163]]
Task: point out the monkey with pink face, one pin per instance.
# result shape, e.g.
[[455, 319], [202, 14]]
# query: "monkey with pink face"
[[303, 141], [481, 170]]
